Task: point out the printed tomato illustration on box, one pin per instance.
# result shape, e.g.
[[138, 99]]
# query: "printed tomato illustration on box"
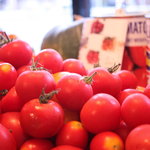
[[106, 40]]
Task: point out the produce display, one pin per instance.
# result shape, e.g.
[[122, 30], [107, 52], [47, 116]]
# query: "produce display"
[[51, 103]]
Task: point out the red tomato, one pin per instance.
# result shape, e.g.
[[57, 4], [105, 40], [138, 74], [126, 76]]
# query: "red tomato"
[[11, 101], [23, 68], [72, 133], [7, 141], [100, 113], [30, 84], [135, 110], [147, 90], [123, 130], [104, 81], [41, 120], [50, 59], [11, 120], [139, 138], [138, 55], [129, 79], [37, 144], [66, 147], [142, 76], [127, 63], [17, 53], [126, 92], [8, 76], [74, 92], [106, 141], [74, 65]]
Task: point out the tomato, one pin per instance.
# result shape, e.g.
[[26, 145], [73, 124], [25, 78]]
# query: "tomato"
[[17, 53], [106, 141], [126, 92], [74, 65], [139, 138], [100, 113], [11, 120], [37, 144], [11, 102], [66, 147], [23, 68], [135, 110], [142, 76], [50, 59], [129, 80], [127, 63], [7, 141], [74, 92], [30, 84], [123, 130], [41, 119], [72, 133], [8, 76], [104, 81], [138, 55], [147, 90]]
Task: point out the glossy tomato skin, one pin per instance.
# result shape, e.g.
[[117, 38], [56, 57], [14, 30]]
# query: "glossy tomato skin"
[[106, 141], [128, 78], [29, 84], [74, 92], [8, 76], [72, 133], [103, 81], [147, 90], [41, 120], [74, 65], [126, 92], [11, 120], [37, 144], [137, 106], [23, 68], [17, 53], [7, 141], [139, 138], [66, 147], [96, 111], [11, 102], [50, 59]]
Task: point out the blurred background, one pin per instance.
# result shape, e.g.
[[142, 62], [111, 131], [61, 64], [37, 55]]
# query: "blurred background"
[[30, 20]]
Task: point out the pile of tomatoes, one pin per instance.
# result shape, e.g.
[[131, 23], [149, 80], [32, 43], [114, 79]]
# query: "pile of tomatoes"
[[48, 103]]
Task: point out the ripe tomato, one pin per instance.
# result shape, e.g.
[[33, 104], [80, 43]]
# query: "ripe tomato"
[[17, 53], [11, 101], [11, 120], [106, 141], [138, 55], [66, 147], [126, 92], [8, 76], [147, 90], [37, 144], [104, 81], [72, 133], [129, 80], [30, 84], [7, 141], [74, 65], [50, 59], [41, 120], [123, 130], [139, 138], [96, 111], [135, 110], [23, 68], [74, 92]]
